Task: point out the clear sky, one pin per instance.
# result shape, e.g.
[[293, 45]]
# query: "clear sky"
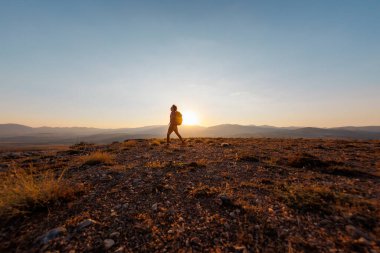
[[124, 63]]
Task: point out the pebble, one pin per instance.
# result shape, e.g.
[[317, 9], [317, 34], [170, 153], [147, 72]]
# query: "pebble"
[[362, 240], [108, 243], [50, 235], [119, 250], [115, 234], [354, 232], [85, 223], [136, 181], [154, 207], [226, 201], [195, 240], [225, 144], [324, 222]]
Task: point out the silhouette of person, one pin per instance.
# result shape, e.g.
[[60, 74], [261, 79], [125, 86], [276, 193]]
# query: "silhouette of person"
[[173, 125]]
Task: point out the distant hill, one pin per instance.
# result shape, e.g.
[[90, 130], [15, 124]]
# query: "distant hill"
[[19, 134]]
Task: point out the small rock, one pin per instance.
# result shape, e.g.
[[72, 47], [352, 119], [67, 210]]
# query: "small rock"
[[115, 234], [324, 222], [136, 181], [154, 207], [85, 223], [353, 231], [362, 240], [50, 235], [196, 240], [3, 167], [108, 243], [125, 206], [225, 144], [226, 201], [239, 248], [119, 250]]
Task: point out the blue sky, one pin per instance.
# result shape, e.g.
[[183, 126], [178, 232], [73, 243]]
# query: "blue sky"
[[123, 63]]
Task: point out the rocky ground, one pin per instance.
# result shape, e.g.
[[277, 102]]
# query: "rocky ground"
[[211, 195]]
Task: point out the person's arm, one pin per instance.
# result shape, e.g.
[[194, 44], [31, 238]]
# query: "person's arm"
[[172, 117]]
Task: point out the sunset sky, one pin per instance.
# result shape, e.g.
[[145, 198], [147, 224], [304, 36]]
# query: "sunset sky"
[[118, 64]]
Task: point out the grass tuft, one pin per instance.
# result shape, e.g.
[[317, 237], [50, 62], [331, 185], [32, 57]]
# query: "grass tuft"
[[129, 143], [22, 192], [98, 158], [306, 160]]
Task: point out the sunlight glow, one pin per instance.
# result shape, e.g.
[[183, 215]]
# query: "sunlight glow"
[[190, 118]]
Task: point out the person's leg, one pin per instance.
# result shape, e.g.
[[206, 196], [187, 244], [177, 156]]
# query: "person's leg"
[[177, 133], [170, 130]]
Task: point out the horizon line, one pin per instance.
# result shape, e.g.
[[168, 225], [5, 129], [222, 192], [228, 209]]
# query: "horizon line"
[[159, 125]]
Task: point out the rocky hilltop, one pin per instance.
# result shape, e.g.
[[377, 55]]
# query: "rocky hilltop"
[[210, 195]]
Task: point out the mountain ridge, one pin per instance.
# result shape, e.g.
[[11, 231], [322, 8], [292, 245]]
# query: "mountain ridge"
[[21, 134]]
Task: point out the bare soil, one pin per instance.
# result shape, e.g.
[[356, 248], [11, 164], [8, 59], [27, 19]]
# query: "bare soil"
[[211, 195]]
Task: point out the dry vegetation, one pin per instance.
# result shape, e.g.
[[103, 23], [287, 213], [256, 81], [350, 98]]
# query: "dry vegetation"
[[212, 195], [98, 158], [25, 191]]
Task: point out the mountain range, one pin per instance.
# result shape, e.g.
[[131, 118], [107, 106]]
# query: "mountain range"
[[15, 134]]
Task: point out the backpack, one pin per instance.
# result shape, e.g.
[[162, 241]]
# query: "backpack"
[[178, 118]]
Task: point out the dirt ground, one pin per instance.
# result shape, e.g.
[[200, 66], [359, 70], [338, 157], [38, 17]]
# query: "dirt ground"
[[210, 195]]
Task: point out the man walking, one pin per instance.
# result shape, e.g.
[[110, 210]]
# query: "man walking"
[[175, 121]]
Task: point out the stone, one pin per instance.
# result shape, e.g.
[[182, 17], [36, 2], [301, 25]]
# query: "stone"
[[362, 240], [119, 250], [353, 231], [85, 223], [226, 201], [115, 234], [50, 235], [154, 207], [225, 144], [196, 241], [108, 243], [4, 167]]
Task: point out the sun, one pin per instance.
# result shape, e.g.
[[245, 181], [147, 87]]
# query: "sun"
[[190, 118]]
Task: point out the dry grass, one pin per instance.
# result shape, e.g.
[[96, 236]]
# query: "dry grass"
[[22, 192], [155, 165], [98, 158], [310, 199], [155, 143], [204, 191], [129, 143]]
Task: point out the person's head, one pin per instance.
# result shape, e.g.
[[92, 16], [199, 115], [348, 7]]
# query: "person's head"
[[173, 108]]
